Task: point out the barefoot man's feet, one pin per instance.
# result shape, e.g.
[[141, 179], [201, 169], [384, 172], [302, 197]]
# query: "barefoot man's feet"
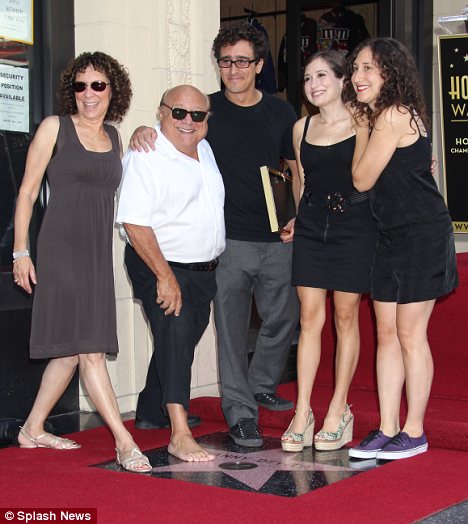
[[185, 448]]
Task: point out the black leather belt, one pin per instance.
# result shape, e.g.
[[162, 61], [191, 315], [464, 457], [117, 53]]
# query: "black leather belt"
[[192, 266], [336, 202], [197, 266]]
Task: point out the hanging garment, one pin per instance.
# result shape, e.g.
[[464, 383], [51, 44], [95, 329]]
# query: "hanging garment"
[[308, 47], [341, 29], [266, 80]]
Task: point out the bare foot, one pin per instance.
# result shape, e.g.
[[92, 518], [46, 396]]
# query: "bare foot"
[[185, 448]]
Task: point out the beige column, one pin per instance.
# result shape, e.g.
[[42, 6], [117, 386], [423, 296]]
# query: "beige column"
[[163, 43]]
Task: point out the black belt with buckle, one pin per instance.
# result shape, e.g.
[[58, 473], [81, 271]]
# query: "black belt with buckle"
[[197, 266], [336, 202]]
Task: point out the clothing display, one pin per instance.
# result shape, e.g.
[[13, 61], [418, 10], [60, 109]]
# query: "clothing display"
[[335, 233], [341, 29], [266, 80], [308, 47], [415, 258], [74, 300]]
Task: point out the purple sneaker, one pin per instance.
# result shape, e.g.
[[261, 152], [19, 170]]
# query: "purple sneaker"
[[403, 446], [371, 445]]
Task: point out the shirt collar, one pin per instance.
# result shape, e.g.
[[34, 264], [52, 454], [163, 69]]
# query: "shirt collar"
[[168, 148]]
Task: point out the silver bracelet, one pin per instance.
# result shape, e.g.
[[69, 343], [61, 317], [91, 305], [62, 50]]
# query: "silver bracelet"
[[20, 254]]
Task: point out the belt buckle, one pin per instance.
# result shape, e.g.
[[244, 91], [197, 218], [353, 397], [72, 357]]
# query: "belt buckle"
[[336, 202]]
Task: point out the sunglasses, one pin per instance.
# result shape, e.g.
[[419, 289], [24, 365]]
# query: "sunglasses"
[[97, 85], [179, 114]]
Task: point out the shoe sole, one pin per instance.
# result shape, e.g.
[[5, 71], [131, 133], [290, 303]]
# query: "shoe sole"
[[148, 425], [286, 407], [294, 447], [394, 455], [361, 454], [247, 443]]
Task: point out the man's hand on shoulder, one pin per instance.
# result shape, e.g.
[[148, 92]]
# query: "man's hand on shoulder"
[[143, 139]]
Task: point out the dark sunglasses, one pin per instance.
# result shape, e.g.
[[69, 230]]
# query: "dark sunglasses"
[[97, 85], [179, 114]]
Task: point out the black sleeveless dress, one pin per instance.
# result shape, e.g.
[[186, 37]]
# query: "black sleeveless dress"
[[74, 300], [415, 257], [335, 233]]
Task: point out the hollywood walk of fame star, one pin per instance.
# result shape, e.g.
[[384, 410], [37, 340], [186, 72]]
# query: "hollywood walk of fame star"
[[267, 464]]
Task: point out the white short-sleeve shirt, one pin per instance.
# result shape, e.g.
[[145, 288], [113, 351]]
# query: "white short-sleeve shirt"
[[180, 198]]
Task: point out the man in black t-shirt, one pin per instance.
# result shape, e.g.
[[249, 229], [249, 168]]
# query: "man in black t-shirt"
[[246, 130]]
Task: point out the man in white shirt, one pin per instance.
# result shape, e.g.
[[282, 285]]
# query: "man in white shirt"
[[171, 208]]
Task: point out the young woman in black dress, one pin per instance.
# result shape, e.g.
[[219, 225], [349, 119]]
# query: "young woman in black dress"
[[415, 259], [334, 244]]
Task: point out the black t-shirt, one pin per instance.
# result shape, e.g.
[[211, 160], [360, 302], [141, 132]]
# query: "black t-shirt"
[[244, 139]]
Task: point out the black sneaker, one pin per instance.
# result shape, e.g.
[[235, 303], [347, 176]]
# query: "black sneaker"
[[245, 433], [273, 402]]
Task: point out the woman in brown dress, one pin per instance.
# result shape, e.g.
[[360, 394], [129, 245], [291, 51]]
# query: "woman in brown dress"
[[74, 319]]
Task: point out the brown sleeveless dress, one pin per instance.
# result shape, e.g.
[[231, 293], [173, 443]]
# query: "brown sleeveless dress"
[[74, 300]]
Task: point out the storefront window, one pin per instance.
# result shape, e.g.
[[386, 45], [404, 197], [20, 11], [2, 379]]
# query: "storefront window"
[[14, 139]]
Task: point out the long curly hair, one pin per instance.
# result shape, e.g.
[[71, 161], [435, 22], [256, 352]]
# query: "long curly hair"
[[105, 64], [401, 82], [229, 36]]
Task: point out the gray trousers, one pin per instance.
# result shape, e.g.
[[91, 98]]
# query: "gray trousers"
[[261, 269]]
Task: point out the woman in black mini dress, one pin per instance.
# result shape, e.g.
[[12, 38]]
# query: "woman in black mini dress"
[[334, 244], [415, 259]]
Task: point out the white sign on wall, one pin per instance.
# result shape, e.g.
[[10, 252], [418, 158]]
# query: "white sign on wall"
[[16, 20], [14, 98]]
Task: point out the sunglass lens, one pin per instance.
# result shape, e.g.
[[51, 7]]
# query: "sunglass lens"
[[78, 87], [178, 113], [98, 85], [198, 116]]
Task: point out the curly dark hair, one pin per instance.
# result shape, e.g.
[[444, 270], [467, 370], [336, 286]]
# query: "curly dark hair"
[[229, 36], [401, 82], [105, 64]]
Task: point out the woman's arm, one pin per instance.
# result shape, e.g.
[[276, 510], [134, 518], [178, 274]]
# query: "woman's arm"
[[298, 131], [373, 152], [39, 155], [287, 233]]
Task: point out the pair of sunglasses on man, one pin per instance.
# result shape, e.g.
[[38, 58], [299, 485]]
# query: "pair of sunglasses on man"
[[177, 112]]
